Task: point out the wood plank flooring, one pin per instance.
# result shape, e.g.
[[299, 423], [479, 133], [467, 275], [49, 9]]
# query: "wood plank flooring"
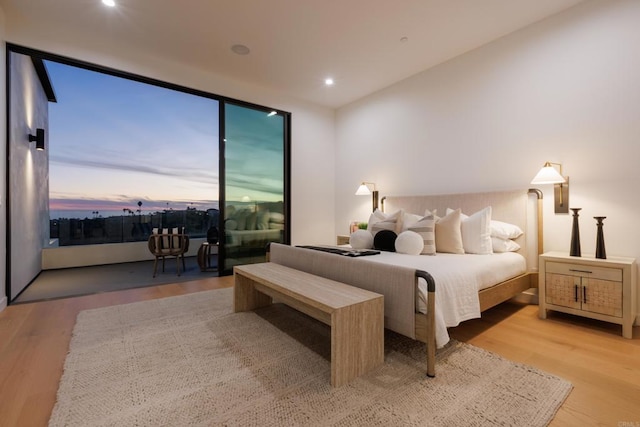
[[603, 367]]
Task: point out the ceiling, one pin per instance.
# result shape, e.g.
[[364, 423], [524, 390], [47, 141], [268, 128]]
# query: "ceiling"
[[294, 44]]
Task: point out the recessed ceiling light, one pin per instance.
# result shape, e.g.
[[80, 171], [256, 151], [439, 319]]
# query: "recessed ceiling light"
[[404, 39], [240, 49], [110, 3], [328, 81]]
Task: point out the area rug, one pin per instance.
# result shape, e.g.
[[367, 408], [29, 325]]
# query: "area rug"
[[188, 360]]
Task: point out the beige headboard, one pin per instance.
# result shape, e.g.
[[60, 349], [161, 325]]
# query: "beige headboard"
[[520, 207]]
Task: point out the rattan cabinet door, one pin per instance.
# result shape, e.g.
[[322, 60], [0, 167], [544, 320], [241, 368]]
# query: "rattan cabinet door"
[[602, 296], [563, 290]]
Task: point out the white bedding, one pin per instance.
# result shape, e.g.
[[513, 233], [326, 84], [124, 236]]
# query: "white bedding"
[[458, 279]]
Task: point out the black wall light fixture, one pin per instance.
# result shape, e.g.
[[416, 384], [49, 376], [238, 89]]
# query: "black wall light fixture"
[[38, 138]]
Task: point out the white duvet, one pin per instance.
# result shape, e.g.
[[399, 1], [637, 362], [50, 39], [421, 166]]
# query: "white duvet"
[[458, 279]]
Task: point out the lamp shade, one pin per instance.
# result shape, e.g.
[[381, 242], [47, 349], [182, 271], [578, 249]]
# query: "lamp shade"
[[548, 175], [363, 190]]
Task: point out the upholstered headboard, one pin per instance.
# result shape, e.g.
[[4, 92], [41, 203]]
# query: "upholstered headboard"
[[521, 207]]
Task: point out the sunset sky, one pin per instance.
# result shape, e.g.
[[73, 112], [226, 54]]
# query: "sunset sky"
[[114, 142]]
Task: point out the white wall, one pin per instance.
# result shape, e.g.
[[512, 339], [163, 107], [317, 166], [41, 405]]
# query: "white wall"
[[3, 155], [564, 90], [28, 197]]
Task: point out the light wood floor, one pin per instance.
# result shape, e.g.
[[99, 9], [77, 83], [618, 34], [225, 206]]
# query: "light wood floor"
[[603, 367]]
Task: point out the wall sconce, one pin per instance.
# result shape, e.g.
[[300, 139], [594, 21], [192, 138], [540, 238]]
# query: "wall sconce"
[[38, 138], [364, 190], [549, 175]]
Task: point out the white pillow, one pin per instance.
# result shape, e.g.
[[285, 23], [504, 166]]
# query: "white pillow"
[[476, 232], [409, 219], [504, 245], [409, 243], [379, 220], [276, 217], [505, 230], [361, 239], [448, 233], [426, 228]]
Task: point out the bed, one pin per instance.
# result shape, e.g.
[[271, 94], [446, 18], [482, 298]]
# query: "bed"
[[420, 301]]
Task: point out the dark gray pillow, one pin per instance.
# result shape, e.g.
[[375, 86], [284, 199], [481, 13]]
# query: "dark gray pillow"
[[385, 240]]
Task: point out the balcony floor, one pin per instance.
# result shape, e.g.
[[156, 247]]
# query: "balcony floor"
[[70, 282]]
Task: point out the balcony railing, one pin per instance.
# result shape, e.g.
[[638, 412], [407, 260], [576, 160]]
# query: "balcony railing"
[[130, 228]]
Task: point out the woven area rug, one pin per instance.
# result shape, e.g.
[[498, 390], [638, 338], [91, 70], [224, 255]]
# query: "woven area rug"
[[188, 360]]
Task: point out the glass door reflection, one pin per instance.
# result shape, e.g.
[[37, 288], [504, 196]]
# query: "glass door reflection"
[[255, 212]]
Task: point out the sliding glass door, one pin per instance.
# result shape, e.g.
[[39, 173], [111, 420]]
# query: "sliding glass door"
[[255, 210]]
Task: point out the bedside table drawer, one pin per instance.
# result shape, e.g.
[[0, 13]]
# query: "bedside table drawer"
[[591, 271]]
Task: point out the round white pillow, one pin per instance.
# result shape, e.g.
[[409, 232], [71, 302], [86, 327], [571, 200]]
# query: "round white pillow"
[[361, 239], [409, 242]]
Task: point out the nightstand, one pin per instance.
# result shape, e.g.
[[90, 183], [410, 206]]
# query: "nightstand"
[[342, 240], [603, 289]]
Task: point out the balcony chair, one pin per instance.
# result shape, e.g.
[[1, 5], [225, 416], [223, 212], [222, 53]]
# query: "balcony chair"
[[165, 243]]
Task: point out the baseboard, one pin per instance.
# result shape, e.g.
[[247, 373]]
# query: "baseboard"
[[3, 303]]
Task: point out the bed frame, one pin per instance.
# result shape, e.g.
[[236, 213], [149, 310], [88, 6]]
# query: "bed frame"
[[523, 208], [514, 207]]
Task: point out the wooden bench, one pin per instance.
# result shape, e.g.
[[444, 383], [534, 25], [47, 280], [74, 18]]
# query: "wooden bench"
[[356, 316]]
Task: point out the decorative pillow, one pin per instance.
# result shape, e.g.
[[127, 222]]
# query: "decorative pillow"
[[448, 234], [241, 219], [426, 229], [231, 224], [381, 221], [361, 239], [476, 232], [276, 217], [385, 240], [409, 219], [504, 245], [409, 242], [229, 211], [504, 230], [262, 220], [251, 221]]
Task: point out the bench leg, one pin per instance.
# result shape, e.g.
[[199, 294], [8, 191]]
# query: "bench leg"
[[357, 340], [245, 296]]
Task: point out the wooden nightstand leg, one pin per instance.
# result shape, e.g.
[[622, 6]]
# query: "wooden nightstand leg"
[[627, 329], [542, 312]]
